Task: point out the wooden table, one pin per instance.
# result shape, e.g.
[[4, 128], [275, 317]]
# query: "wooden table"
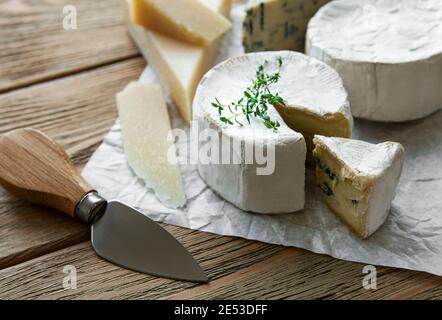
[[64, 83]]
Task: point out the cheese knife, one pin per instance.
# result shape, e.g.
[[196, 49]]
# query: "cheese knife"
[[33, 167]]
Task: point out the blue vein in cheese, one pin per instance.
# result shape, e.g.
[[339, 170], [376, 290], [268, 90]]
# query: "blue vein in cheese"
[[277, 24]]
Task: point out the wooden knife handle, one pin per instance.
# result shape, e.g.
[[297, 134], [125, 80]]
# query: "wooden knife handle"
[[35, 168]]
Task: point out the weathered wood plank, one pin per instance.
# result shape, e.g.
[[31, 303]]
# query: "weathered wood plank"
[[238, 269], [304, 276], [431, 294], [77, 112], [430, 289], [42, 277], [35, 46]]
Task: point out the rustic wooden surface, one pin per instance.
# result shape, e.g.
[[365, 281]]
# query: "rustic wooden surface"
[[64, 83]]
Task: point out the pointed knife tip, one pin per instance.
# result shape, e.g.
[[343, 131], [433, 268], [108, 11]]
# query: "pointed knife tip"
[[202, 278]]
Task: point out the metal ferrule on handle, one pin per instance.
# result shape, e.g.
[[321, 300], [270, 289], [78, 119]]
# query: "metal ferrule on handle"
[[91, 208]]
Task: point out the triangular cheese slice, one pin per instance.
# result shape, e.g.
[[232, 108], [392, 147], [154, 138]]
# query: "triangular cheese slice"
[[179, 66], [358, 179], [145, 126], [187, 20]]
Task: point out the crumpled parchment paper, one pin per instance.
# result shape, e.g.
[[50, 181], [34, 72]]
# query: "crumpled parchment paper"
[[411, 238]]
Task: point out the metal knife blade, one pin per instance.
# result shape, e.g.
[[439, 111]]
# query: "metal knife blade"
[[129, 239]]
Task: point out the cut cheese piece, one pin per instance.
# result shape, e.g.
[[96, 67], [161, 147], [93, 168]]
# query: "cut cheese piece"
[[186, 20], [145, 126], [388, 52], [271, 25], [237, 180], [178, 65], [358, 180], [315, 99]]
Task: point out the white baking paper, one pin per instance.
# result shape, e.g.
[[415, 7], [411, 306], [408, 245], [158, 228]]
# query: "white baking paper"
[[411, 238]]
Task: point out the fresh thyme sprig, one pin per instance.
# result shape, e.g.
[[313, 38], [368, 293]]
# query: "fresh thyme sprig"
[[256, 100]]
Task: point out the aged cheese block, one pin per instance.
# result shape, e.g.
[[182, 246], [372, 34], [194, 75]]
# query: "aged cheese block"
[[358, 180], [187, 20], [277, 24], [145, 125], [388, 53], [179, 66]]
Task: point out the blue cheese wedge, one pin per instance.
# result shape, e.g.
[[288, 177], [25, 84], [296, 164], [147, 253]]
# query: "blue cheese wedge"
[[145, 126], [358, 180], [271, 25]]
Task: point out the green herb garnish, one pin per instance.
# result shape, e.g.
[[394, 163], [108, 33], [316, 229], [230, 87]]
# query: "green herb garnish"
[[256, 100]]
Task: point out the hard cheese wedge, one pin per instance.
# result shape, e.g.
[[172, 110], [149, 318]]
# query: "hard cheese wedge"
[[186, 20], [179, 66], [358, 179], [271, 25], [145, 125]]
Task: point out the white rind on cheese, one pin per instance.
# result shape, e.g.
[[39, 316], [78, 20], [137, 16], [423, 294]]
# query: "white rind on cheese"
[[145, 126], [316, 100], [373, 169], [271, 25], [388, 52], [280, 192], [179, 66], [186, 20]]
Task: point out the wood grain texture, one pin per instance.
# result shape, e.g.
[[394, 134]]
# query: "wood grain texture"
[[237, 268], [98, 279], [35, 47], [33, 167], [77, 111], [304, 276], [434, 293], [430, 289]]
